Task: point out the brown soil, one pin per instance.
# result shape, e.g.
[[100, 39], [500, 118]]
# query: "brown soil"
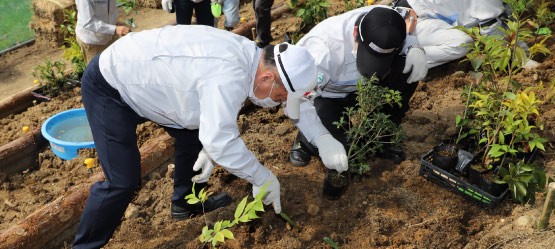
[[391, 207]]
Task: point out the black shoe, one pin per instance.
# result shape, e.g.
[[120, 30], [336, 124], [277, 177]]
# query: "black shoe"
[[393, 153], [214, 202], [299, 156], [228, 28]]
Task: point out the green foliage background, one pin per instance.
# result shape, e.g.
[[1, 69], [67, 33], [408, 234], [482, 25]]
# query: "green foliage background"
[[15, 16]]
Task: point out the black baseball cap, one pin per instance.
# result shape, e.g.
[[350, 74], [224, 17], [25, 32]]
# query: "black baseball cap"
[[381, 34]]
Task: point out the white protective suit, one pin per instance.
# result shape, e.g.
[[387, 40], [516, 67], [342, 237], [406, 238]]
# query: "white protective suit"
[[332, 47], [96, 21], [436, 19], [194, 78]]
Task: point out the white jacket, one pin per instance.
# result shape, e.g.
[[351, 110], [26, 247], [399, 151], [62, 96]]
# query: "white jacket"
[[193, 77], [466, 13], [331, 43], [96, 21]]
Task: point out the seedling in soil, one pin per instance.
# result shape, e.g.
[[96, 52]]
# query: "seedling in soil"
[[244, 212], [287, 219], [331, 242]]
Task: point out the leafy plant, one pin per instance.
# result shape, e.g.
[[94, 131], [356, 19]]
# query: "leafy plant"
[[52, 76], [72, 50], [367, 128], [128, 6], [353, 4], [311, 12], [244, 212], [330, 242], [524, 180]]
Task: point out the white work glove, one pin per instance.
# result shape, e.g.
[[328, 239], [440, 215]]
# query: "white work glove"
[[416, 64], [332, 153], [205, 163], [167, 5], [272, 192]]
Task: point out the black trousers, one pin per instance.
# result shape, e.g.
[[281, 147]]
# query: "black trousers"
[[113, 124], [184, 12], [262, 11], [331, 110]]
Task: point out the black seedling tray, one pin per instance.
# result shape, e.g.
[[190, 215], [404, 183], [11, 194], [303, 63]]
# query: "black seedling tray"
[[455, 183]]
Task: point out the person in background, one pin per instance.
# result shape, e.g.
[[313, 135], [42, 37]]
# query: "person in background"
[[372, 40], [192, 81], [96, 26], [184, 11], [230, 9], [437, 19], [262, 11]]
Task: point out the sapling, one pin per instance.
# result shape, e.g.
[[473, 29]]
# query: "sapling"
[[244, 212], [368, 129]]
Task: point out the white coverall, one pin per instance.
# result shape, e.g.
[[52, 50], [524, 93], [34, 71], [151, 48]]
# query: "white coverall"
[[96, 21], [436, 19]]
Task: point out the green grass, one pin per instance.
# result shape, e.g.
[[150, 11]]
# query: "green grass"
[[15, 16]]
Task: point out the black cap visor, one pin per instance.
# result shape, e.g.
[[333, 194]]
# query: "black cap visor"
[[370, 62]]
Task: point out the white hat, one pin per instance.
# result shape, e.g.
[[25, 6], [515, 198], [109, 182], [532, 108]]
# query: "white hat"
[[297, 70]]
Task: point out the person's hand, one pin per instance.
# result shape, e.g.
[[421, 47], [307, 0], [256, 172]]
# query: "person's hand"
[[416, 64], [122, 30], [272, 193], [167, 5], [205, 163], [332, 153]]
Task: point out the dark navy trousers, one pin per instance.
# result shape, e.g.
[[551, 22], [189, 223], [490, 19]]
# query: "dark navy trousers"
[[113, 124]]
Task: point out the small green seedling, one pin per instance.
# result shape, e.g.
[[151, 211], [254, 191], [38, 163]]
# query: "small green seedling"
[[244, 212], [287, 219], [331, 242]]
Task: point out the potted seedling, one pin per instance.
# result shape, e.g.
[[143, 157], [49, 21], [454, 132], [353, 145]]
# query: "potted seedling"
[[367, 130]]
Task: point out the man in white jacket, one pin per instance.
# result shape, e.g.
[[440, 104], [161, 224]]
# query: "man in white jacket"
[[193, 81], [362, 42]]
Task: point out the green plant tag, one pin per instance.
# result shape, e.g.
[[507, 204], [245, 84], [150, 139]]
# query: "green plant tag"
[[216, 9]]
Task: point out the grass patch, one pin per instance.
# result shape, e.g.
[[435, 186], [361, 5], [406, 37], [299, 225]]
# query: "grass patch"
[[15, 16]]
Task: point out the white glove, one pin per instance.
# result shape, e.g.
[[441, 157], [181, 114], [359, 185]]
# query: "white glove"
[[205, 163], [416, 61], [272, 192], [216, 1], [167, 5], [332, 153]]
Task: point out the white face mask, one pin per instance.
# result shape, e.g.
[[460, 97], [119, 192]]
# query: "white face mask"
[[266, 102]]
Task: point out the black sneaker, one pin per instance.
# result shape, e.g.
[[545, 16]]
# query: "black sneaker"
[[214, 202], [393, 153], [299, 156]]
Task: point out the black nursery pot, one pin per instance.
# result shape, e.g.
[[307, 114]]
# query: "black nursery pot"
[[335, 184], [445, 157], [484, 180]]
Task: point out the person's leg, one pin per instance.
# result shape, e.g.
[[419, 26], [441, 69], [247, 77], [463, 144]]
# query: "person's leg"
[[230, 9], [184, 11], [203, 13], [262, 10], [397, 80], [441, 41], [186, 149], [113, 126], [89, 50]]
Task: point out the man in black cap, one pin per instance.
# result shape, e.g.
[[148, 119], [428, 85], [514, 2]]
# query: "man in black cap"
[[362, 42]]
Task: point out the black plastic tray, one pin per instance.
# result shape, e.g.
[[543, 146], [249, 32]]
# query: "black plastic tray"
[[456, 183]]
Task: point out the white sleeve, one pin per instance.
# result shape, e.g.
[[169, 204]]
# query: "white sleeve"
[[90, 22], [319, 49], [309, 123], [220, 103]]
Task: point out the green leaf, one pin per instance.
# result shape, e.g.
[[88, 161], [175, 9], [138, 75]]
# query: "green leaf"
[[228, 234], [240, 208], [219, 237]]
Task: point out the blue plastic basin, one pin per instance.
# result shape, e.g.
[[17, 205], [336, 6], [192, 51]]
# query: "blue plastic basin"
[[67, 132]]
